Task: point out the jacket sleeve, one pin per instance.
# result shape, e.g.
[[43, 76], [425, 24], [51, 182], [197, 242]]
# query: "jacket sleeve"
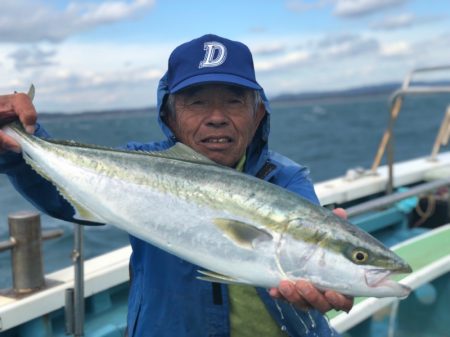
[[301, 184], [293, 177], [38, 191]]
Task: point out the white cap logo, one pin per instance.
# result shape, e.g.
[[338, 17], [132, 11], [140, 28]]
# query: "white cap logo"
[[215, 55]]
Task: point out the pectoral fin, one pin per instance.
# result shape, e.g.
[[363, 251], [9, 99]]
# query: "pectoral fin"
[[211, 276], [241, 233]]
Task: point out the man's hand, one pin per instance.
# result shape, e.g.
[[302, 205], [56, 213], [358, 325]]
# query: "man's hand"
[[304, 295], [11, 107]]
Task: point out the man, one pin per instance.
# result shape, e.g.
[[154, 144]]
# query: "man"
[[209, 99]]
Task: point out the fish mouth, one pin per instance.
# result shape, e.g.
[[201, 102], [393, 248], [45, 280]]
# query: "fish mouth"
[[377, 278]]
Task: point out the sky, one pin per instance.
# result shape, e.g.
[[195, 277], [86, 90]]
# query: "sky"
[[91, 55]]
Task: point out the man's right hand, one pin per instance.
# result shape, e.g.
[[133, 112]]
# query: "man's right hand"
[[14, 106]]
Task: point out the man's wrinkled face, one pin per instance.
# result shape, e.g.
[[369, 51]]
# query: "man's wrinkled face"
[[217, 120]]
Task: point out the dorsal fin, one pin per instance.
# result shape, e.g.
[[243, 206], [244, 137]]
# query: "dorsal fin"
[[182, 152], [31, 92], [177, 152]]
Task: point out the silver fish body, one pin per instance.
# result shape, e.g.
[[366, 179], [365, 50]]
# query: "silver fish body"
[[239, 228]]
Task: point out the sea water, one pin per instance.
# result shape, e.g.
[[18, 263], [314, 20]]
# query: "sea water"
[[329, 137]]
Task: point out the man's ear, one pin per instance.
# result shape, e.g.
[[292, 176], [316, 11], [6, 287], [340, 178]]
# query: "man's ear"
[[259, 114], [169, 120]]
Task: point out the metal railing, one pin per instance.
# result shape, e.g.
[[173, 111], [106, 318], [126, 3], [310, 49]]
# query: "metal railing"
[[396, 102], [25, 243], [390, 199], [74, 309]]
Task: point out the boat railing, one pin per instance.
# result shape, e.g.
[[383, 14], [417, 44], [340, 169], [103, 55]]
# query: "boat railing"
[[396, 103], [442, 136], [390, 199], [74, 297], [25, 243]]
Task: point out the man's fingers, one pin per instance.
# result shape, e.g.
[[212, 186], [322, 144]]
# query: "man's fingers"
[[339, 301], [313, 296], [25, 111], [18, 106], [6, 104], [340, 212], [8, 144], [291, 294], [275, 293]]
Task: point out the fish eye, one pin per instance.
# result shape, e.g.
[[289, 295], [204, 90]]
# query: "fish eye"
[[359, 256]]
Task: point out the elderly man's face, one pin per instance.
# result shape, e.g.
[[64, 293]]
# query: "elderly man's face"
[[216, 120]]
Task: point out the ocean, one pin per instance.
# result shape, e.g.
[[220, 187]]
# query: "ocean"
[[329, 137]]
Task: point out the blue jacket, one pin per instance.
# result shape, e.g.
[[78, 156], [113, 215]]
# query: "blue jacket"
[[165, 297]]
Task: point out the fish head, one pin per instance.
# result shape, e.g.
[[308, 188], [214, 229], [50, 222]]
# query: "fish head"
[[334, 254]]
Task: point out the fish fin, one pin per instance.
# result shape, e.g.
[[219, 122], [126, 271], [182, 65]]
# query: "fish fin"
[[34, 165], [241, 233], [211, 276], [31, 92], [81, 212], [182, 152]]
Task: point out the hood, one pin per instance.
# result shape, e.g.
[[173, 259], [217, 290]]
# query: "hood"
[[257, 151]]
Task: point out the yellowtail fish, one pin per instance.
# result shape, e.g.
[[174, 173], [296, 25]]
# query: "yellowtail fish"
[[240, 229]]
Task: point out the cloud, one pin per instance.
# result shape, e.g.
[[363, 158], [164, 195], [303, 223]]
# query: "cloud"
[[67, 90], [32, 57], [86, 75], [405, 20], [344, 45], [303, 6], [430, 51], [395, 22], [282, 55], [344, 8], [396, 49], [269, 49], [354, 8], [23, 21], [286, 60]]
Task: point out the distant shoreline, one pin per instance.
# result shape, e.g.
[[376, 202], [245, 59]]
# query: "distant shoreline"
[[97, 113], [284, 100], [274, 102], [327, 100]]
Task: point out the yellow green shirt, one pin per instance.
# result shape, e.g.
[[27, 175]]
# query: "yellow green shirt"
[[248, 315]]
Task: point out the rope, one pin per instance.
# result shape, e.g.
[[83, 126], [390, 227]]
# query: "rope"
[[427, 213]]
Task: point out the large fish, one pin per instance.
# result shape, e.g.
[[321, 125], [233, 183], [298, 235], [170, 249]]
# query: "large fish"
[[239, 228]]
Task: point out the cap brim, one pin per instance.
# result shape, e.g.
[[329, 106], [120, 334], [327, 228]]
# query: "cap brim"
[[215, 78]]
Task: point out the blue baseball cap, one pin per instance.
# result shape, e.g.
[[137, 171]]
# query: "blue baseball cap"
[[211, 59]]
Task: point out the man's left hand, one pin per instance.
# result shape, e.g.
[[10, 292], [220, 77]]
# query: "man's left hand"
[[305, 296]]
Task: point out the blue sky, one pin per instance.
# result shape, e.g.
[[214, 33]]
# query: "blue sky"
[[99, 54]]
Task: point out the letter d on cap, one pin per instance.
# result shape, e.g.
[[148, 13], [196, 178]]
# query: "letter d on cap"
[[215, 55]]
